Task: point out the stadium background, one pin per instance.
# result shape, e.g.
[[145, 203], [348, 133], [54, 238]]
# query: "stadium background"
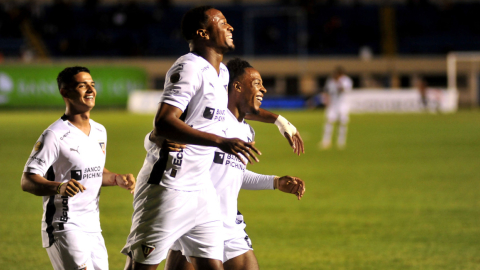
[[403, 195]]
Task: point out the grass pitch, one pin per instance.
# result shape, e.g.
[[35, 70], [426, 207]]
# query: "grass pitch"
[[404, 194]]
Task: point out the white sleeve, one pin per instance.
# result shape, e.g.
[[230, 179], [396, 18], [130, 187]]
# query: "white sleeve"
[[44, 154], [255, 181], [347, 84], [181, 83]]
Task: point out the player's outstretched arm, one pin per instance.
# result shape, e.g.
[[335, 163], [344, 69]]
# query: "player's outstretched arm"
[[286, 128], [169, 126], [290, 184], [38, 185], [126, 181]]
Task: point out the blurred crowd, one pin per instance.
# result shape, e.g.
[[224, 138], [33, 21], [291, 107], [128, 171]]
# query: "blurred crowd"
[[132, 28]]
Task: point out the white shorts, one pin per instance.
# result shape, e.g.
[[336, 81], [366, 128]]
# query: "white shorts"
[[74, 250], [232, 248], [338, 112], [166, 215]]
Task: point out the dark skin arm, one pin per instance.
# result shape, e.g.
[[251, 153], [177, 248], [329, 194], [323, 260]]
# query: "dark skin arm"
[[168, 125], [265, 116]]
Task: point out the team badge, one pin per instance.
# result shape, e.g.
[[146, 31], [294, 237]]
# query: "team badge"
[[147, 250], [219, 157], [102, 146], [82, 267], [173, 173], [208, 113], [38, 146]]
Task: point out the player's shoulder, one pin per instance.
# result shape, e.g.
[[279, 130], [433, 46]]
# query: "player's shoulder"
[[58, 128], [189, 62], [99, 127]]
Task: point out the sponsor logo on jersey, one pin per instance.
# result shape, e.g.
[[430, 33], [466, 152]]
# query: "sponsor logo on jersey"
[[178, 158], [92, 172], [64, 135], [76, 174], [234, 162], [39, 160], [209, 113], [75, 150], [147, 249], [102, 146], [214, 114], [38, 146], [64, 217], [175, 77], [219, 157]]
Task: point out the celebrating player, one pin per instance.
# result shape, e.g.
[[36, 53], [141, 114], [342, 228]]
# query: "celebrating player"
[[66, 167], [229, 175], [175, 199]]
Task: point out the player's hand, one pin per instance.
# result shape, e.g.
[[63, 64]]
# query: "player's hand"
[[293, 185], [173, 146], [71, 188], [126, 181], [295, 142], [239, 148]]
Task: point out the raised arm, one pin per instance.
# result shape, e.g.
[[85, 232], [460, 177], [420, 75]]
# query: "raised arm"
[[168, 125], [286, 128]]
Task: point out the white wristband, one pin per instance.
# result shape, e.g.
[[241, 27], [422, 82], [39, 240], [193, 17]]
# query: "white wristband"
[[285, 126]]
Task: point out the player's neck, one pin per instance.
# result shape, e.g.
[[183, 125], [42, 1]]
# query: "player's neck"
[[212, 55], [234, 109], [80, 120]]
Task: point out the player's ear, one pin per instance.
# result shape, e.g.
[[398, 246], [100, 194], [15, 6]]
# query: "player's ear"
[[64, 92], [236, 86], [202, 33]]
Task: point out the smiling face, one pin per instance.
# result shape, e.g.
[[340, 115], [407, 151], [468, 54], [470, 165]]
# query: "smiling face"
[[252, 91], [219, 31], [80, 94]]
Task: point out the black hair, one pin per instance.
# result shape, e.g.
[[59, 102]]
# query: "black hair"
[[236, 68], [194, 19], [66, 76]]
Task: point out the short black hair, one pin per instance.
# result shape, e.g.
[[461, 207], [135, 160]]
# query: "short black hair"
[[236, 68], [193, 20], [66, 76]]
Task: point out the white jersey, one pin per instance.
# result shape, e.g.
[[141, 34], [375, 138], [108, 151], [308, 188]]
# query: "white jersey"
[[227, 176], [193, 85], [61, 153], [333, 88]]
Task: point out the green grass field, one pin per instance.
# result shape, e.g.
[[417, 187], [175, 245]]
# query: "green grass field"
[[405, 194]]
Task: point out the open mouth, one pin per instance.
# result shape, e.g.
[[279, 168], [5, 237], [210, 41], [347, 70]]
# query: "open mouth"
[[89, 97], [259, 98]]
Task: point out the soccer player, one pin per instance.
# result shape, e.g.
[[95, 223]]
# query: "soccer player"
[[175, 198], [337, 108], [66, 167], [229, 175]]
